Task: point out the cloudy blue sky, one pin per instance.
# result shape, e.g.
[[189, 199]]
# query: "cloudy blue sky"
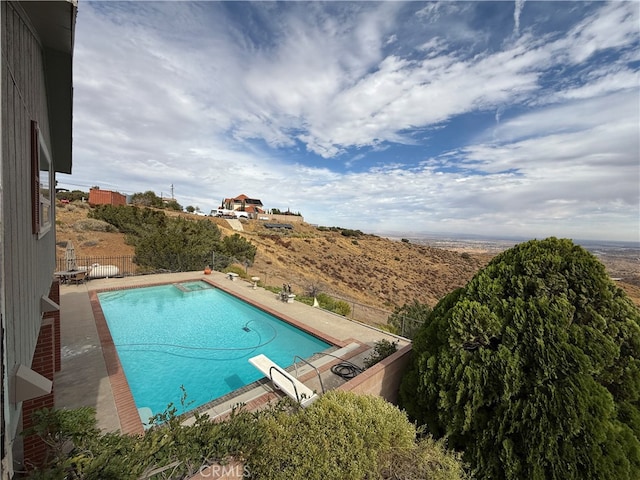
[[510, 118]]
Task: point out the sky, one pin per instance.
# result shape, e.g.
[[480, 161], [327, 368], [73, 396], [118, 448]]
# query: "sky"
[[504, 119]]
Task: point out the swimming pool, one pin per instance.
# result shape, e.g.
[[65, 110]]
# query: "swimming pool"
[[197, 337]]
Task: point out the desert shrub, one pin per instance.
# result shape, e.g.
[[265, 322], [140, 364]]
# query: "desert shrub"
[[405, 240], [341, 308], [533, 368], [93, 225], [236, 269], [147, 199], [75, 196], [465, 255], [90, 243], [347, 232], [381, 350], [336, 306]]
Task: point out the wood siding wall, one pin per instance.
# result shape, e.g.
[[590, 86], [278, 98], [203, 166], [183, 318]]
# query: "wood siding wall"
[[28, 262]]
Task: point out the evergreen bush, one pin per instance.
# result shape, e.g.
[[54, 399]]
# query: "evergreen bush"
[[175, 244], [340, 436], [533, 368]]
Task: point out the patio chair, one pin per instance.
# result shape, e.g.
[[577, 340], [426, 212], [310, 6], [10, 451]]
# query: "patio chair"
[[78, 278]]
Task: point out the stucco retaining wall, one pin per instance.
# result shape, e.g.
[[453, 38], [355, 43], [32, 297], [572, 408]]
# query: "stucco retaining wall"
[[384, 378]]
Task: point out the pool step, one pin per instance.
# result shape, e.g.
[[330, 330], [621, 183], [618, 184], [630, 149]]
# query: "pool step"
[[181, 287], [195, 287]]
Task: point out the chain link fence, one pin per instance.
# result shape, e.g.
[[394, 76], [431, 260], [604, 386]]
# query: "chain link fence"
[[406, 326]]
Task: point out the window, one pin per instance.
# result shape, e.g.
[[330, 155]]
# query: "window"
[[42, 183]]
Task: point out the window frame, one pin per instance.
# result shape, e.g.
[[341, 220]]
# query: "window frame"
[[41, 165]]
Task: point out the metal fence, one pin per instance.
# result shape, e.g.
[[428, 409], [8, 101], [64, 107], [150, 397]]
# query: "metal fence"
[[125, 264], [379, 317], [359, 311]]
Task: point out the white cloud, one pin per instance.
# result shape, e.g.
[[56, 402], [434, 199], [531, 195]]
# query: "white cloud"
[[169, 93], [517, 11]]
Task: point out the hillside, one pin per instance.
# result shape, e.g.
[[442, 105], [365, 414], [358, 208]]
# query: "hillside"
[[364, 269]]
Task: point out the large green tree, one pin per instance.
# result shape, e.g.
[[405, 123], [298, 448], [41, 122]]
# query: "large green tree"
[[181, 245], [239, 248], [146, 199], [533, 368]]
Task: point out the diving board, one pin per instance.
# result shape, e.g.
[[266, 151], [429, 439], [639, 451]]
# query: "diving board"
[[282, 379]]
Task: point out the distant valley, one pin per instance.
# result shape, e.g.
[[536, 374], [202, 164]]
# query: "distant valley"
[[365, 270]]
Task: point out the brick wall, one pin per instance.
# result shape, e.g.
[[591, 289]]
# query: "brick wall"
[[46, 361], [383, 379]]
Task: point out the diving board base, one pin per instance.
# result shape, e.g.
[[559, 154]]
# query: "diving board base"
[[282, 379]]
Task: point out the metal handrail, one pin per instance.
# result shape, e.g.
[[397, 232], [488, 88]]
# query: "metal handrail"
[[284, 374], [312, 366]]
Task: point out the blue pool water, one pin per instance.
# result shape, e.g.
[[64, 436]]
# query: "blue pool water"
[[197, 337]]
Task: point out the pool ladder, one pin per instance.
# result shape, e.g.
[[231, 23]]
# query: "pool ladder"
[[312, 366]]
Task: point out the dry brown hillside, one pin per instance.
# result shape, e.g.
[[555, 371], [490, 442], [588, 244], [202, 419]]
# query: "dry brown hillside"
[[367, 269]]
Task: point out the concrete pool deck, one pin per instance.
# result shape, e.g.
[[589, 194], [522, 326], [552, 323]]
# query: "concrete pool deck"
[[89, 376]]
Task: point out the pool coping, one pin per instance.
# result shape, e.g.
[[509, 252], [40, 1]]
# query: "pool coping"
[[129, 417]]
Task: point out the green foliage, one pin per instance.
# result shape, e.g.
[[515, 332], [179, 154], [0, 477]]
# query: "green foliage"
[[381, 350], [60, 430], [72, 196], [341, 436], [277, 211], [168, 243], [407, 319], [345, 436], [236, 269], [428, 459], [190, 209], [533, 368], [130, 220], [173, 205], [331, 304], [239, 248], [147, 199], [182, 245], [347, 232], [93, 225]]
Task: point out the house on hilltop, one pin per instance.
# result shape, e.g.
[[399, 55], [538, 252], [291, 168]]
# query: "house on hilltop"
[[106, 197], [243, 204], [37, 104]]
